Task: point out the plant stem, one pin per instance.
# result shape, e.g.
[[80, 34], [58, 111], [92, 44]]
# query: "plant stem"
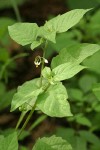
[[31, 112], [27, 120], [4, 68], [37, 122], [20, 119], [15, 7], [44, 49]]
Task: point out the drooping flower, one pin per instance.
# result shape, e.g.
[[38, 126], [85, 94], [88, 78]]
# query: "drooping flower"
[[39, 60]]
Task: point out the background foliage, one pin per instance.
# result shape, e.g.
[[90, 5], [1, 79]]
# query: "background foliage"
[[17, 66]]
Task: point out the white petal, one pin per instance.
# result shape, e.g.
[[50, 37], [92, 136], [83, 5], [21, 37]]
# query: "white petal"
[[45, 60]]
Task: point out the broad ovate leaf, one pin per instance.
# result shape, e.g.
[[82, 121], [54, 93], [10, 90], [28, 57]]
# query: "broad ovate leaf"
[[63, 22], [75, 54], [66, 71], [26, 33], [26, 94], [52, 143], [9, 142], [53, 101], [23, 33]]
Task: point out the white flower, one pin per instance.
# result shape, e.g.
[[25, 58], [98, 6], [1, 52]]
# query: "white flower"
[[37, 63], [39, 60], [45, 60]]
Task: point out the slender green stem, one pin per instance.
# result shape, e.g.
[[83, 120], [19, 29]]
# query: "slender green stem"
[[15, 7], [44, 50], [20, 119], [37, 122], [4, 68], [31, 112], [27, 120]]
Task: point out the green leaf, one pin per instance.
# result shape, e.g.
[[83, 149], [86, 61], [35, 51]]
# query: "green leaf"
[[63, 40], [52, 143], [75, 54], [83, 120], [95, 17], [9, 143], [26, 33], [65, 65], [54, 101], [93, 28], [47, 33], [96, 90], [35, 44], [75, 94], [96, 106], [26, 94], [86, 82], [66, 71], [47, 74], [93, 62], [5, 99], [90, 137], [62, 23], [61, 132], [76, 142], [23, 33], [9, 131], [4, 23]]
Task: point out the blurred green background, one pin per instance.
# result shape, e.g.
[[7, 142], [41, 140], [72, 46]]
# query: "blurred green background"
[[17, 66]]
